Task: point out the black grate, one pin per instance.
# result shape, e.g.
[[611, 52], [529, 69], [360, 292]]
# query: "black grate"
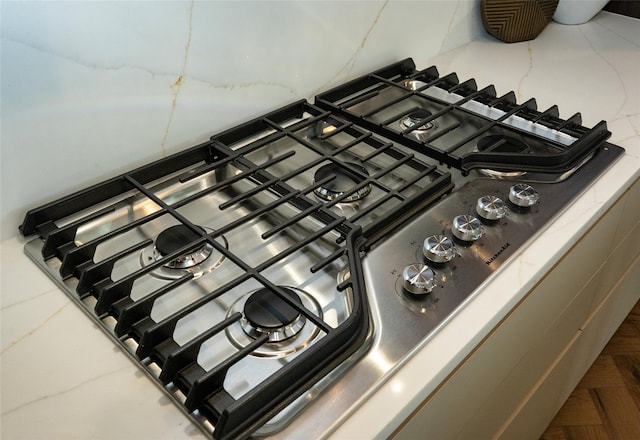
[[257, 175], [457, 116]]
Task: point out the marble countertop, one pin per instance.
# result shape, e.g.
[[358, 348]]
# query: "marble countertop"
[[62, 378]]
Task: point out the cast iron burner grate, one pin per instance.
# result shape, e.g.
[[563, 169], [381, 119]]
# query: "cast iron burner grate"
[[444, 119], [247, 196]]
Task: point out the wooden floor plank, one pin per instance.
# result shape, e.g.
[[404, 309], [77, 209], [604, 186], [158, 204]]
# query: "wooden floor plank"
[[606, 403], [629, 367], [606, 422], [634, 316], [603, 373], [579, 409], [625, 340], [554, 433], [586, 432], [619, 412]]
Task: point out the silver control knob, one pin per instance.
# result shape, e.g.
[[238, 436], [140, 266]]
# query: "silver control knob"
[[418, 279], [523, 195], [438, 248], [491, 208], [467, 228]]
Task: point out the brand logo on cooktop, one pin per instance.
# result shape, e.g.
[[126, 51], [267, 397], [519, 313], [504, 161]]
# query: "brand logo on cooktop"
[[497, 254]]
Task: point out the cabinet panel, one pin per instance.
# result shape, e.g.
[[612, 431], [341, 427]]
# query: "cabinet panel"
[[631, 211], [538, 409], [489, 418], [615, 266], [523, 377]]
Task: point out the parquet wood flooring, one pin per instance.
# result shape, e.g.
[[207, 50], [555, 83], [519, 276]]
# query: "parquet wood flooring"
[[606, 403]]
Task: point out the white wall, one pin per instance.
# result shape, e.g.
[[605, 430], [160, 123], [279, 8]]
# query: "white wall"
[[92, 89]]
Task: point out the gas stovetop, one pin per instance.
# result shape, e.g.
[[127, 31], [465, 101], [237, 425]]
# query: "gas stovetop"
[[260, 278]]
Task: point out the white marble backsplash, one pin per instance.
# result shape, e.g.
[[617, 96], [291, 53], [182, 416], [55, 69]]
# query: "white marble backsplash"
[[92, 89]]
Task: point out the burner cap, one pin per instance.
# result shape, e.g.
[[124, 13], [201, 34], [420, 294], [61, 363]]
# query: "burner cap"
[[420, 114], [176, 237], [173, 238], [266, 313], [503, 144], [415, 117], [344, 181]]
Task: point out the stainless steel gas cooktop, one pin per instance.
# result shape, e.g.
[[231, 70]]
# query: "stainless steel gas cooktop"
[[307, 252]]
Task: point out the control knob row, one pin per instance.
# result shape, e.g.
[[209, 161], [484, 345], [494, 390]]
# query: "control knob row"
[[419, 279]]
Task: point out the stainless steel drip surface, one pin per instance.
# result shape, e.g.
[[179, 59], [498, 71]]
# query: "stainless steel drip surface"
[[438, 248], [267, 313], [467, 228], [342, 180]]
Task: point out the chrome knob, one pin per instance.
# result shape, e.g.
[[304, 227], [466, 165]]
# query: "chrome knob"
[[467, 228], [418, 279], [523, 195], [438, 248], [491, 208]]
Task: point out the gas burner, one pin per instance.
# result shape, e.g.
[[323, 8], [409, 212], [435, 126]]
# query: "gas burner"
[[343, 181], [265, 312], [415, 117], [414, 84], [198, 261], [497, 143], [422, 132], [175, 237]]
